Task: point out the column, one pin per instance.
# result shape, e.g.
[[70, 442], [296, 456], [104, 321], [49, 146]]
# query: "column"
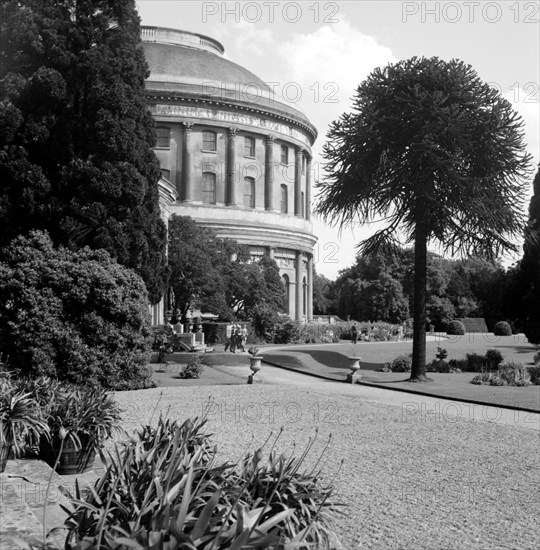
[[230, 189], [270, 252], [310, 288], [269, 173], [186, 161], [297, 181], [308, 188], [299, 286]]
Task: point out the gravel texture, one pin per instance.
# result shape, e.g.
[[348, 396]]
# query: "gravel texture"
[[409, 481]]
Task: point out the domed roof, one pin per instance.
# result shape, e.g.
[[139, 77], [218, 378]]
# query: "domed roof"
[[192, 65]]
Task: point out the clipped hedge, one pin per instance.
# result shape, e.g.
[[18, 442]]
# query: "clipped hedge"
[[474, 324], [455, 328], [402, 363], [502, 328]]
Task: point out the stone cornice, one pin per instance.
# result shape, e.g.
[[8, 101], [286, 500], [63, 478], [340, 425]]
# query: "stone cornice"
[[274, 113]]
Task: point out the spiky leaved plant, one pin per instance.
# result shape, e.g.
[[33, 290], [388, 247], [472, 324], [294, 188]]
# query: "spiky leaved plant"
[[20, 419]]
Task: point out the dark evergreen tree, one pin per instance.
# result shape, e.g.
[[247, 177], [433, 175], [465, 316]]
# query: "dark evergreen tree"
[[523, 296], [438, 156], [76, 136]]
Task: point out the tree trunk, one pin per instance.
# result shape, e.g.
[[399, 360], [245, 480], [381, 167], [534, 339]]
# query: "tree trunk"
[[418, 370]]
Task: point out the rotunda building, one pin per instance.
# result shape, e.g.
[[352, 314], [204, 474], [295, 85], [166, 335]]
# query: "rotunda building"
[[238, 157]]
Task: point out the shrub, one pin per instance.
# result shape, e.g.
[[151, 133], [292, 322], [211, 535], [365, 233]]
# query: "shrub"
[[482, 379], [455, 328], [402, 363], [502, 328], [493, 359], [531, 329], [78, 316], [475, 362], [534, 374], [263, 320], [458, 365], [442, 353], [438, 365], [162, 344], [514, 373], [164, 490], [536, 358], [215, 333], [287, 331], [193, 369]]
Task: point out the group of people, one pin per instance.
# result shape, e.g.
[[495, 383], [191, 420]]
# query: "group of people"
[[236, 337]]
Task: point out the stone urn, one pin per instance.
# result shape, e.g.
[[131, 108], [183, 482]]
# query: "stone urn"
[[354, 367], [255, 363], [354, 364]]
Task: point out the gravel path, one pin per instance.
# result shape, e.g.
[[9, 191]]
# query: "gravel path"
[[410, 480]]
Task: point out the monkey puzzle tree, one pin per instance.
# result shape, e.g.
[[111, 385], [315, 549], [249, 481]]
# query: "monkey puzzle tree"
[[439, 156]]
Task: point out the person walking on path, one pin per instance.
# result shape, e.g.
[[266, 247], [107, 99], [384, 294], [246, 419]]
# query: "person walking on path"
[[234, 337], [354, 333], [243, 337], [228, 336]]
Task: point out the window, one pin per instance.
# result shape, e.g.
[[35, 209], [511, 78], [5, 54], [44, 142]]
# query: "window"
[[209, 188], [163, 137], [249, 147], [249, 192], [209, 141], [302, 205], [287, 292], [166, 174], [284, 154], [284, 207]]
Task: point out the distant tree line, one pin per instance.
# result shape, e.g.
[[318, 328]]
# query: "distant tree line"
[[380, 287]]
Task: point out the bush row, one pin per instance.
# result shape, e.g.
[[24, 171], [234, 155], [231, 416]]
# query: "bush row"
[[494, 370]]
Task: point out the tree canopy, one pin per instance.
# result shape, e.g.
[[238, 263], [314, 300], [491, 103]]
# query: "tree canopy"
[[218, 274], [470, 287], [437, 156], [76, 136], [523, 295], [75, 315]]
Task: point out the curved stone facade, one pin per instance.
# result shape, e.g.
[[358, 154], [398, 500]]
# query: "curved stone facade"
[[238, 157]]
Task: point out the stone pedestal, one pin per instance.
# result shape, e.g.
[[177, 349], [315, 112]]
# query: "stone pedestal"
[[354, 365]]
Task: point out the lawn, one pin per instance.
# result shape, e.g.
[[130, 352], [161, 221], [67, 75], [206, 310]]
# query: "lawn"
[[220, 369], [330, 361]]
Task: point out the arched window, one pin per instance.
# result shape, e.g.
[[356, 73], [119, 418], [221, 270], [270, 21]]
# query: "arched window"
[[305, 296], [284, 206], [249, 192], [286, 282], [209, 141], [209, 188], [249, 147], [163, 137]]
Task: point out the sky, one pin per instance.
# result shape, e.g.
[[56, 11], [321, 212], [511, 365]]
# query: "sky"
[[315, 54]]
